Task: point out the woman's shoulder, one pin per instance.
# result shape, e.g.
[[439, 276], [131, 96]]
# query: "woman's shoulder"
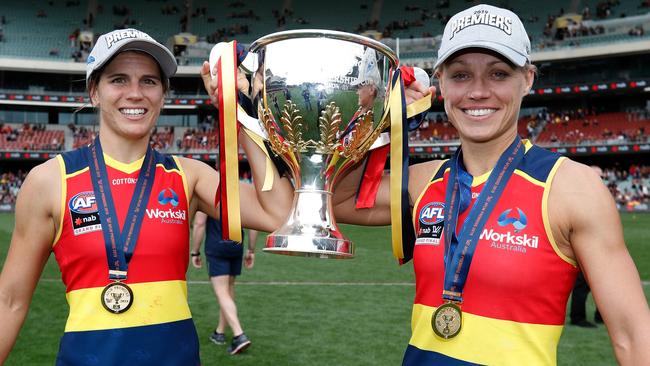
[[421, 174], [42, 187]]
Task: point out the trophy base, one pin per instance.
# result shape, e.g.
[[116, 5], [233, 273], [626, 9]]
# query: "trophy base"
[[310, 230], [302, 246]]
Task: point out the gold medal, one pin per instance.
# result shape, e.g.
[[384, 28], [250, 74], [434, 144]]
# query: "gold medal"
[[447, 320], [117, 297]]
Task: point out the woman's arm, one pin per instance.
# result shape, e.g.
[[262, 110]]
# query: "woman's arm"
[[37, 213], [583, 214], [345, 193], [260, 210]]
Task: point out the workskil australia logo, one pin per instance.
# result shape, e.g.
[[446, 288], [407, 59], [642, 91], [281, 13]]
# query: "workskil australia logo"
[[168, 196], [170, 215], [518, 223], [511, 240]]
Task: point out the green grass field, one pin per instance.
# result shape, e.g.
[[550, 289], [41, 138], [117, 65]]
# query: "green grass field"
[[304, 311]]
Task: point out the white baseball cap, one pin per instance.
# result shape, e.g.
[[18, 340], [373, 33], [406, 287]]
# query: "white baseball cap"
[[489, 27], [120, 40], [368, 69]]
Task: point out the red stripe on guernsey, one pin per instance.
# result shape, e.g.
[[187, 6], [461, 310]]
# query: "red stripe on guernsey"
[[515, 274], [82, 257]]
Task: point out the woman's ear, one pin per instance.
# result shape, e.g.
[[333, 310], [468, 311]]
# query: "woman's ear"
[[530, 78], [440, 87], [92, 91], [94, 99]]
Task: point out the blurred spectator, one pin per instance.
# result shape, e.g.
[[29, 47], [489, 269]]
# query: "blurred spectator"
[[10, 183]]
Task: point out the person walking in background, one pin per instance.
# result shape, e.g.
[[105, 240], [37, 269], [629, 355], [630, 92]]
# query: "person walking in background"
[[224, 259], [578, 313]]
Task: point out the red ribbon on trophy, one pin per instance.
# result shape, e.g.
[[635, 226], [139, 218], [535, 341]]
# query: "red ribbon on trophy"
[[228, 145]]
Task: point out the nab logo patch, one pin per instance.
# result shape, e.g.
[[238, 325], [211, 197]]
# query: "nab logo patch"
[[84, 214], [83, 202], [432, 213], [518, 223], [168, 196]]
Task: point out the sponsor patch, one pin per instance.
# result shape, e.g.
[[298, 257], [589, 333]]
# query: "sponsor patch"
[[431, 218], [171, 215], [168, 196], [519, 223], [83, 213], [512, 240]]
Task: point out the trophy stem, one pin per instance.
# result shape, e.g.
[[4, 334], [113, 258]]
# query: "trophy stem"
[[310, 230]]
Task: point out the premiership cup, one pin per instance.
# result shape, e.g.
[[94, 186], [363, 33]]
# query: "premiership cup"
[[322, 102]]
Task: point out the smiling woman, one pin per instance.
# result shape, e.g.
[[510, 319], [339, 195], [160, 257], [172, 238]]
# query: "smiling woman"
[[116, 215], [503, 227]]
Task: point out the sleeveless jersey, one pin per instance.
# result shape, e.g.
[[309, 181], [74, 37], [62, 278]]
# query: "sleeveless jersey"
[[157, 329], [515, 297]]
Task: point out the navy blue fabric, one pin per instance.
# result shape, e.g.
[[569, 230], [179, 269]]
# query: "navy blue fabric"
[[417, 357], [75, 160], [224, 257], [538, 163], [216, 246], [173, 344], [222, 266]]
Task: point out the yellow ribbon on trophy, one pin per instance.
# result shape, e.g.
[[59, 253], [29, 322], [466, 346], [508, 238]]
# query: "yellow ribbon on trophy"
[[402, 230]]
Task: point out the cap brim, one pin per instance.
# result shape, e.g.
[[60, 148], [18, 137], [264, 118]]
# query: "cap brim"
[[161, 54], [507, 52]]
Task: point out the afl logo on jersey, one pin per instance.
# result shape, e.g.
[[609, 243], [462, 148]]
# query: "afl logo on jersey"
[[83, 203], [432, 213], [84, 213]]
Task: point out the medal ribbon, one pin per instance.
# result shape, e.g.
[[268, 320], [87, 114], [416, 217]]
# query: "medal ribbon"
[[459, 249], [119, 244]]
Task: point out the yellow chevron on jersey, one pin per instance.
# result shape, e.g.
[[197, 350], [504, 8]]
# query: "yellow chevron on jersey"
[[155, 303]]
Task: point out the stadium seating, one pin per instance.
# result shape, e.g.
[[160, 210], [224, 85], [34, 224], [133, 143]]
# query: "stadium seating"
[[26, 34], [602, 128], [28, 138], [46, 33]]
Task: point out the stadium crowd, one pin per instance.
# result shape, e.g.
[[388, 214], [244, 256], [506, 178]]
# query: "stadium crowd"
[[10, 183], [572, 126], [630, 187], [29, 137]]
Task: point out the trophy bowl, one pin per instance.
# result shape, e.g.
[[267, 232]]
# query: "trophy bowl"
[[322, 100]]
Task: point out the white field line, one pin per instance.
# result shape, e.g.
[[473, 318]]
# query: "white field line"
[[294, 283]]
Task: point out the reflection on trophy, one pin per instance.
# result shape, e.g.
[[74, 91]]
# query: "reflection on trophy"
[[321, 98]]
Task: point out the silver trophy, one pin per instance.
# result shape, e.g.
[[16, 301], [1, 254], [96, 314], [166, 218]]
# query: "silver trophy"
[[322, 102]]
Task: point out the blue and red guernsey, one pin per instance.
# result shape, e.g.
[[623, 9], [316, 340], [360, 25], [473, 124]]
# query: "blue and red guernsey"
[[157, 329], [515, 297]]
